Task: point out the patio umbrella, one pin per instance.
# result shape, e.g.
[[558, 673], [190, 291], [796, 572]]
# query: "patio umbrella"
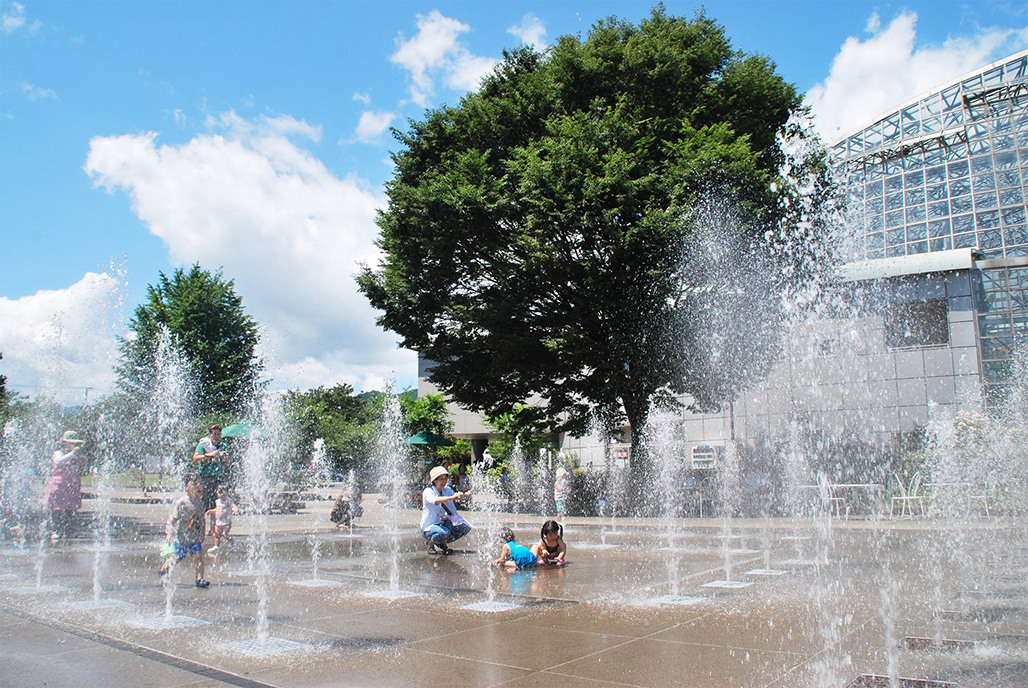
[[428, 439], [245, 428]]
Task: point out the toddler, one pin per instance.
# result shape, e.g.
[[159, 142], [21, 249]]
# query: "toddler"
[[512, 555], [221, 516]]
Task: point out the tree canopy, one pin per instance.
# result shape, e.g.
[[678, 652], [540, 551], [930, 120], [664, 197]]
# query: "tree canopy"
[[208, 326], [537, 237]]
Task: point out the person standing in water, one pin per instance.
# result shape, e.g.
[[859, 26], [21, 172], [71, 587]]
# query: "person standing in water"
[[64, 488]]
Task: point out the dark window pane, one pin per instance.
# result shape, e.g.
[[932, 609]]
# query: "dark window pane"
[[922, 323]]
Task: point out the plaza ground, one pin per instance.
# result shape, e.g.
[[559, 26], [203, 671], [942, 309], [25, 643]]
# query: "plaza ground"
[[692, 602]]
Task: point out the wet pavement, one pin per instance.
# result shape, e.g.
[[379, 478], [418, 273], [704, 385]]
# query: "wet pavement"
[[782, 603]]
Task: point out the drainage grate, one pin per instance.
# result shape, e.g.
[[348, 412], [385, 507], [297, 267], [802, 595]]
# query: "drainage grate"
[[938, 644], [982, 615], [875, 681], [267, 647], [494, 606]]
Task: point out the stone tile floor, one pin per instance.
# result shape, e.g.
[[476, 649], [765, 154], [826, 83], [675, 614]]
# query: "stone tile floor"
[[851, 594]]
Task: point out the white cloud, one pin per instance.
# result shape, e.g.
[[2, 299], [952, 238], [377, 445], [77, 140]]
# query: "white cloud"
[[868, 77], [60, 342], [37, 93], [371, 125], [531, 31], [246, 198], [362, 98], [436, 51], [12, 17]]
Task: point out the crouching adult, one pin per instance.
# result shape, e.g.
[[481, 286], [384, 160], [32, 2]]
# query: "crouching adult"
[[440, 521]]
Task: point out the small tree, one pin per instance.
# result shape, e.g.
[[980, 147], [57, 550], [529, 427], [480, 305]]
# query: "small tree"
[[207, 323]]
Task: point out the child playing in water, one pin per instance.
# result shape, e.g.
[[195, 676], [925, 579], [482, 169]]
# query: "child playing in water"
[[185, 530], [512, 555], [551, 548], [221, 514]]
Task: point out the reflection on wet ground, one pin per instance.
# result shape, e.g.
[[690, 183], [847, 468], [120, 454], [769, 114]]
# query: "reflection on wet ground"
[[779, 603]]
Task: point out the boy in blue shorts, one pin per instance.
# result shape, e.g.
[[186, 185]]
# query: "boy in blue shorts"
[[513, 556], [185, 529]]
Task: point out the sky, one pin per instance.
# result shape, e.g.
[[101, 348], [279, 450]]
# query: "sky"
[[253, 138]]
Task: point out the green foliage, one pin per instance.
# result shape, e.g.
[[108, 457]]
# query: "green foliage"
[[346, 421], [536, 234], [425, 413], [208, 325]]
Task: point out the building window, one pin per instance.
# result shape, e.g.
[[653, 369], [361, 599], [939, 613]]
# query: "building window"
[[921, 323]]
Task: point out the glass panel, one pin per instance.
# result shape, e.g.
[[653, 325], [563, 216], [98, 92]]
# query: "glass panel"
[[894, 219], [959, 187], [915, 195], [1012, 197], [1016, 69], [953, 119], [951, 98], [934, 156], [937, 193], [938, 228], [1014, 216], [893, 184], [917, 232], [956, 151], [981, 164], [894, 237], [931, 125], [916, 213], [962, 223], [990, 240], [973, 84], [894, 201], [993, 77], [994, 323], [1005, 161], [1003, 127], [984, 201], [969, 240], [1008, 178], [856, 144], [892, 166], [917, 247], [919, 323], [873, 189], [875, 223], [957, 169], [935, 175], [873, 137], [875, 206], [931, 105], [938, 209], [911, 130], [961, 204], [987, 220], [891, 129], [940, 244], [913, 179], [978, 146], [984, 182], [875, 241], [914, 161], [1015, 236]]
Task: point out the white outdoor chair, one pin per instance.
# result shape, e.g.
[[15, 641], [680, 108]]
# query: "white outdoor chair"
[[983, 498], [836, 504], [908, 496]]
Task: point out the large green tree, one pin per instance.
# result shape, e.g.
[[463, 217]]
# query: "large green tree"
[[210, 330], [538, 236]]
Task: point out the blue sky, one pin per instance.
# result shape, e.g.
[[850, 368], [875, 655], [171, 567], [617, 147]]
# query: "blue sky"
[[251, 137]]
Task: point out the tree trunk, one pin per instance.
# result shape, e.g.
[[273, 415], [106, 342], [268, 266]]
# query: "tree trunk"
[[637, 409]]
